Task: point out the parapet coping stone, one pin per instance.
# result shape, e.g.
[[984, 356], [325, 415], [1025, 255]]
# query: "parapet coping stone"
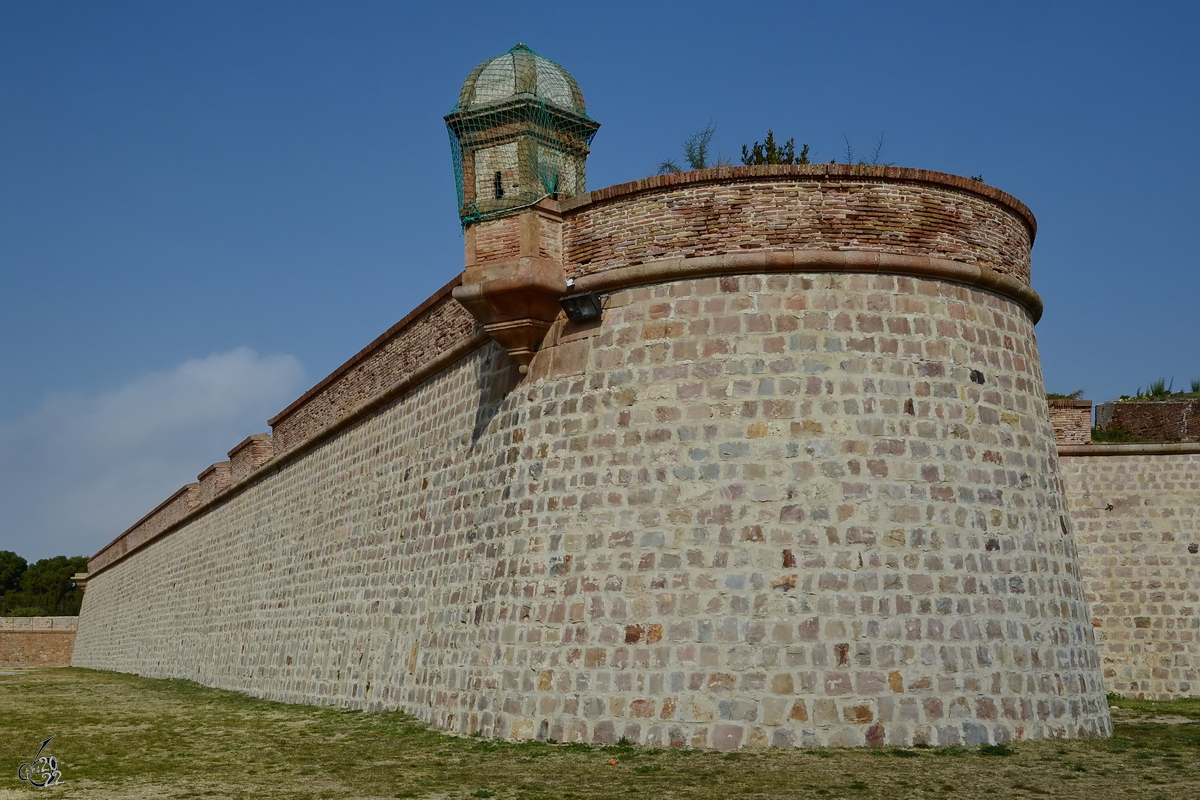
[[1130, 449], [61, 624]]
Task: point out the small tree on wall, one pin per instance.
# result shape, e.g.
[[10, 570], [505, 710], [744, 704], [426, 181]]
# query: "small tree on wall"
[[695, 153], [771, 153]]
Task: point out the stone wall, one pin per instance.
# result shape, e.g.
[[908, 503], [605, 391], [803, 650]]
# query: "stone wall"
[[1136, 511], [798, 497], [36, 641]]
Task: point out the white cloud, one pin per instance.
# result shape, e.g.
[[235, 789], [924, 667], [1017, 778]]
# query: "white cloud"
[[81, 469]]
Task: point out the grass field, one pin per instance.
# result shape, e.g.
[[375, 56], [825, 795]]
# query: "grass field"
[[120, 736]]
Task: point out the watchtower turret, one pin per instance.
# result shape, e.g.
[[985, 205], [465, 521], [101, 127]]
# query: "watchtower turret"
[[519, 133]]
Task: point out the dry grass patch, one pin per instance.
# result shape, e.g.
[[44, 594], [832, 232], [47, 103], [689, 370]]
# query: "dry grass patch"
[[120, 736]]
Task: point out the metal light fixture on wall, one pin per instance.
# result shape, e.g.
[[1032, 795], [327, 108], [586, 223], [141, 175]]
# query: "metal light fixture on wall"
[[582, 307]]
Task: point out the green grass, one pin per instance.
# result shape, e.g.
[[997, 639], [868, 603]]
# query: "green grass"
[[120, 736]]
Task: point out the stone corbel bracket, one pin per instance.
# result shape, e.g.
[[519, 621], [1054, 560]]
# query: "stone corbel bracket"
[[513, 278]]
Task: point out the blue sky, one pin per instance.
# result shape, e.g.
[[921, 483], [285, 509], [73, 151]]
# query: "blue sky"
[[205, 207]]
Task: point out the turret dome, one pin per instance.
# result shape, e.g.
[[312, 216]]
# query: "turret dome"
[[520, 73]]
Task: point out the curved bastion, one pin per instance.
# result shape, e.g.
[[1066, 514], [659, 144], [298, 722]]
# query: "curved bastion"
[[796, 486]]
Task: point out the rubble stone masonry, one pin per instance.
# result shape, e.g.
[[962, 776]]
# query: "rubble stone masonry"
[[801, 497]]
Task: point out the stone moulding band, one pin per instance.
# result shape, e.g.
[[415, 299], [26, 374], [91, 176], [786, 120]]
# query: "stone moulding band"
[[1131, 449], [816, 261]]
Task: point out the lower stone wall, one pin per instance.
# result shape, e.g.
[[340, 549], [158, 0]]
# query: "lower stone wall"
[[1136, 511], [37, 641]]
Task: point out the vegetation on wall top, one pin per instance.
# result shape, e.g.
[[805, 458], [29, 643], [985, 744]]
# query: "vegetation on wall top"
[[1161, 390]]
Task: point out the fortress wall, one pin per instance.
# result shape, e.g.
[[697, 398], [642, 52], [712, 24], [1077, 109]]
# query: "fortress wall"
[[743, 509], [693, 535], [1138, 525], [36, 641]]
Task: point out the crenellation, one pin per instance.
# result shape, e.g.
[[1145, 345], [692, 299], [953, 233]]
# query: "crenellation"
[[250, 454], [213, 482]]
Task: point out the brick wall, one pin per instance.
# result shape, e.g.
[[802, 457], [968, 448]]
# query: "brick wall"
[[812, 207], [36, 641], [1137, 520], [1160, 420], [1072, 421]]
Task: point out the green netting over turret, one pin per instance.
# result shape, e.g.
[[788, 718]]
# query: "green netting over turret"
[[519, 133]]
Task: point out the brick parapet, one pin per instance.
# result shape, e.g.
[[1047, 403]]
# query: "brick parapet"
[[158, 522], [435, 326], [821, 207], [250, 454], [1137, 522], [213, 481], [1152, 419]]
